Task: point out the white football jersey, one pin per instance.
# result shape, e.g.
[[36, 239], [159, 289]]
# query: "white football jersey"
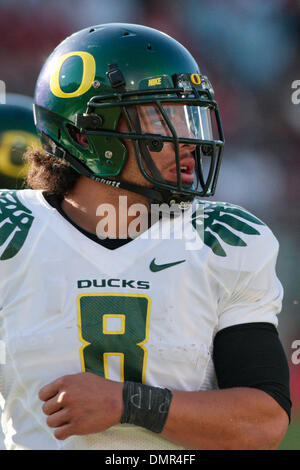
[[147, 311]]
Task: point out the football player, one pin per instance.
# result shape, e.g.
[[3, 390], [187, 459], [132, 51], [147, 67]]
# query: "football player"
[[122, 340]]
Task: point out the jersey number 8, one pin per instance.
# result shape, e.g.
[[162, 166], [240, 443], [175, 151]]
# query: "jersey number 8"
[[114, 329]]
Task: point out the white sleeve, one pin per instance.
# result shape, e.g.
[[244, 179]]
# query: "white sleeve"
[[257, 294]]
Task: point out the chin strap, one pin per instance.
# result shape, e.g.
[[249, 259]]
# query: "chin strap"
[[155, 196]]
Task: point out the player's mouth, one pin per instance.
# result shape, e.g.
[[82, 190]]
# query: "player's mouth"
[[187, 166]]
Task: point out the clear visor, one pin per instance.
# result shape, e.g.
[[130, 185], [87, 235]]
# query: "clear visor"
[[192, 122]]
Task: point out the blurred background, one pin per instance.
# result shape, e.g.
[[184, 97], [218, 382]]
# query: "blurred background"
[[249, 49]]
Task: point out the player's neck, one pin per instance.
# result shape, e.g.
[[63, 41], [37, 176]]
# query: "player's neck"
[[97, 207]]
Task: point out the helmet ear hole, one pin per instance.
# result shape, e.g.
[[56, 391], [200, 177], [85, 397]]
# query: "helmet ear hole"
[[82, 140], [77, 136]]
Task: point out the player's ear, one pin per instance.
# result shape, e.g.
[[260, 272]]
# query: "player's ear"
[[81, 139]]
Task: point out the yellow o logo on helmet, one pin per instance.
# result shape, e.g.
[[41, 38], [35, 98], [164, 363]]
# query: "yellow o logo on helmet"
[[88, 76], [195, 79]]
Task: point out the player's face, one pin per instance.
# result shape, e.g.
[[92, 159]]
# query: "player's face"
[[152, 122]]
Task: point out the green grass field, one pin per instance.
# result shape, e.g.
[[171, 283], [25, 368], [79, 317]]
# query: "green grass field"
[[292, 437]]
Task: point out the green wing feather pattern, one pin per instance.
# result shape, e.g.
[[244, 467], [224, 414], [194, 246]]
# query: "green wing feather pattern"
[[15, 223], [216, 222]]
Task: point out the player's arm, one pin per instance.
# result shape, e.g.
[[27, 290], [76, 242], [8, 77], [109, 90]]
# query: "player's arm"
[[252, 409], [234, 419]]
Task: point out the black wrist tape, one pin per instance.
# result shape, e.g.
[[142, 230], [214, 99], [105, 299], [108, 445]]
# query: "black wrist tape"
[[146, 406]]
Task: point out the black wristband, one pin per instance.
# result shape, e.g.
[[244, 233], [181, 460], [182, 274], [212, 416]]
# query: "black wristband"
[[146, 406]]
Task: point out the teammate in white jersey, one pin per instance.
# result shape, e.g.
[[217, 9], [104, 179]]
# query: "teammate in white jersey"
[[127, 326]]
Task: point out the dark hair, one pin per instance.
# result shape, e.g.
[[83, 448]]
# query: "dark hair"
[[49, 173]]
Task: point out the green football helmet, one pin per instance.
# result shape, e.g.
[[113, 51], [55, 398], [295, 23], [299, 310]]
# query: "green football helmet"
[[107, 72], [17, 133]]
